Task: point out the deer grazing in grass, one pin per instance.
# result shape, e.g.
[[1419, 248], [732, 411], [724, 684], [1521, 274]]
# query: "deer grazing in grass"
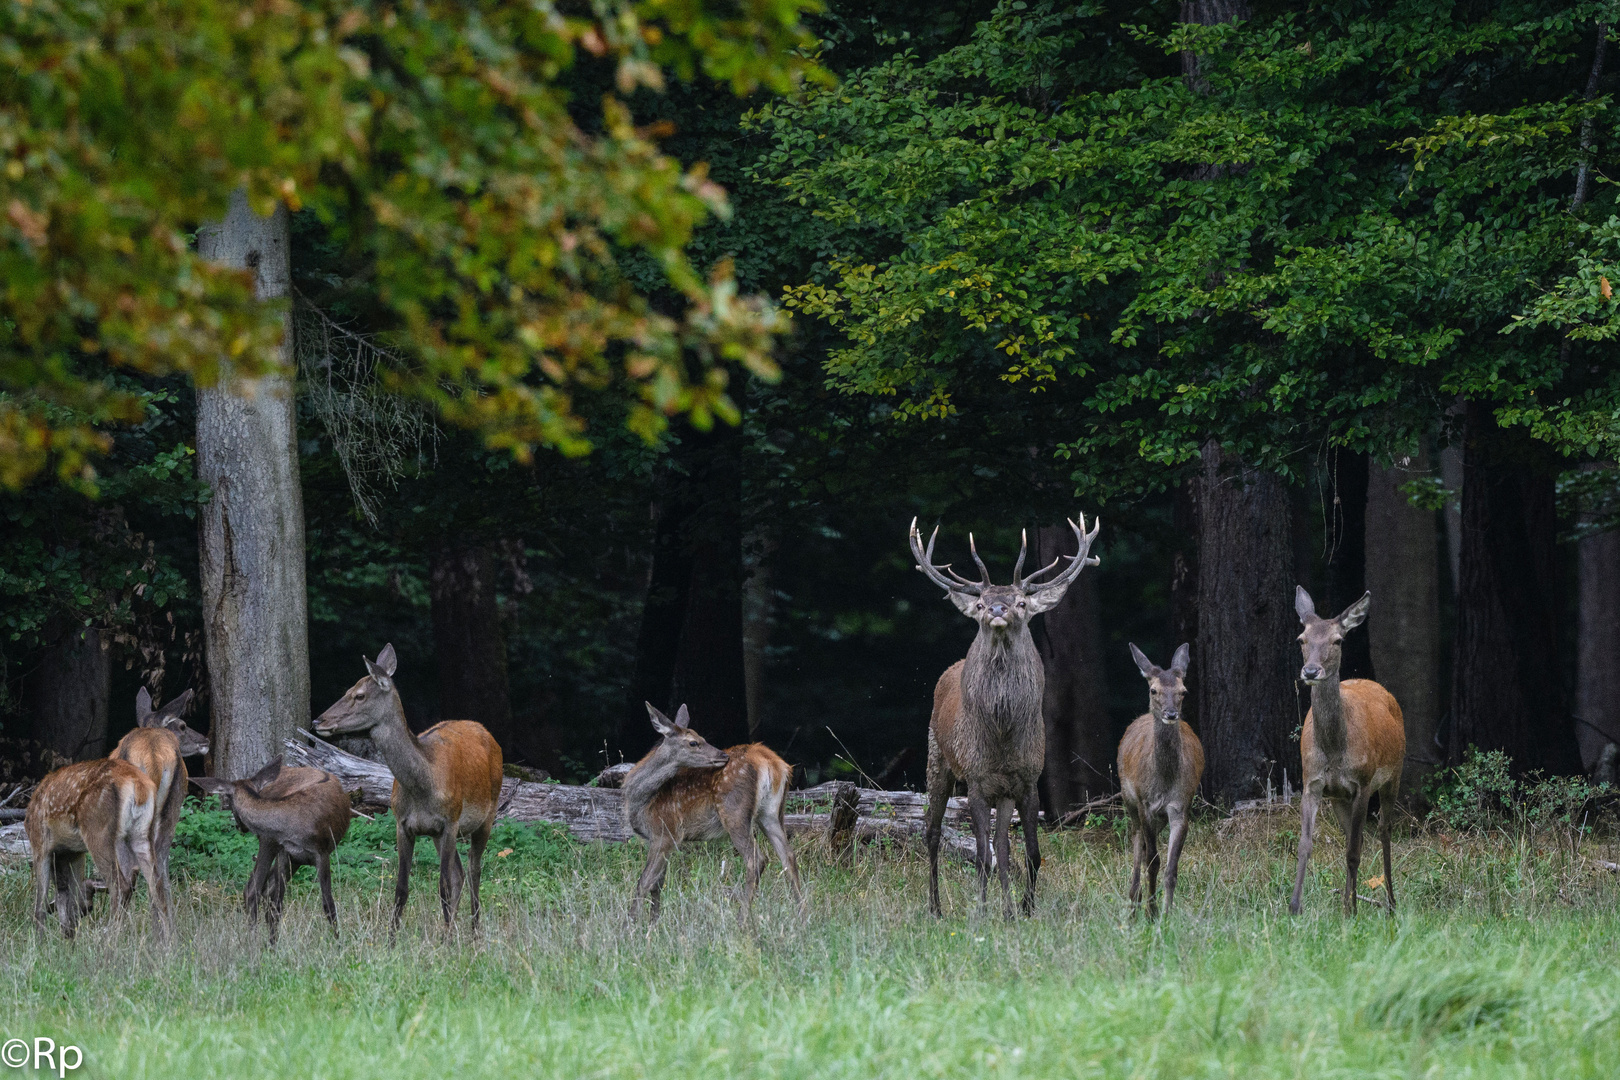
[[447, 781], [1160, 764], [299, 815], [986, 730], [685, 789], [1352, 745], [158, 747], [108, 809]]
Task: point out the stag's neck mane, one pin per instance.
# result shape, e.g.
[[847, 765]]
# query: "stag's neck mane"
[[1003, 678]]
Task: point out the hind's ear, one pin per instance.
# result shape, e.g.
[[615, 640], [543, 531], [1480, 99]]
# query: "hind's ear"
[[1354, 615], [683, 719], [143, 706], [661, 723], [1180, 662], [1147, 667], [267, 774], [214, 786], [172, 713], [1304, 606]]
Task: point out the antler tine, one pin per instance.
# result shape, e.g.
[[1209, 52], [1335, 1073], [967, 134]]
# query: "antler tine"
[[1077, 562], [983, 570], [925, 563], [1023, 549]]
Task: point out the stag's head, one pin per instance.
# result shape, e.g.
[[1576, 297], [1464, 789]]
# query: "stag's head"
[[1005, 608], [689, 749], [1323, 639], [1166, 686], [171, 718], [368, 703]]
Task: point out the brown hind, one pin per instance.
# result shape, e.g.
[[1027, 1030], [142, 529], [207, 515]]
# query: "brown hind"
[[1352, 745], [1160, 764]]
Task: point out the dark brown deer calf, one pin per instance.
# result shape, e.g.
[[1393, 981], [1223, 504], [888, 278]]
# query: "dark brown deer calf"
[[299, 815], [987, 730], [685, 789], [1160, 764]]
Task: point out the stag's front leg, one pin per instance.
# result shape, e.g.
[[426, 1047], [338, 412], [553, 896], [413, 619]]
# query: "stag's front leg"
[[1004, 810], [979, 812], [1032, 846]]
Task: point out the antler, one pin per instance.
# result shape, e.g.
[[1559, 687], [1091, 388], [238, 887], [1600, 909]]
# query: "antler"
[[1077, 562], [937, 574]]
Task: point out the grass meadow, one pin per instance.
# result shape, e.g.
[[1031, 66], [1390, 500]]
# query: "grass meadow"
[[1501, 962]]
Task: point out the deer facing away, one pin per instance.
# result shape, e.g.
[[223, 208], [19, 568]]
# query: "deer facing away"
[[686, 789], [1161, 762], [986, 730], [1353, 744], [108, 809], [447, 781], [158, 747], [299, 815]]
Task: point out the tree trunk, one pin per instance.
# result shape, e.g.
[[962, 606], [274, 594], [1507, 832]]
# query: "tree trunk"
[[251, 531], [1403, 572], [1184, 585], [1597, 675], [690, 649], [1347, 554], [1451, 475], [760, 547], [468, 644], [1246, 654], [1080, 739], [67, 695], [1508, 691]]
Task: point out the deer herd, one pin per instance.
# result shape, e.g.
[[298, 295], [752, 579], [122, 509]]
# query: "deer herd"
[[986, 734]]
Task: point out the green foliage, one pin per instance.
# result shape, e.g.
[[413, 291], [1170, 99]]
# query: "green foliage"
[[436, 140], [1481, 795]]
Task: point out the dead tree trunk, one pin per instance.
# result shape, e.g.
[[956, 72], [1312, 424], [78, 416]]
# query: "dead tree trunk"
[[1508, 691], [1080, 740], [1246, 655], [251, 530], [467, 641], [1403, 574], [1597, 675], [67, 696]]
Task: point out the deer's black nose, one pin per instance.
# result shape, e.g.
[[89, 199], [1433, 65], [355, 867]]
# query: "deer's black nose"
[[1311, 673]]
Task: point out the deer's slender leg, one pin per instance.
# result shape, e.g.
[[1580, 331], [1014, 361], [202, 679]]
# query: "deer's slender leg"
[[475, 869], [1151, 843], [47, 870], [777, 835], [275, 893], [1030, 812], [157, 888], [406, 842], [1309, 801], [104, 854], [939, 790], [263, 863], [1136, 830], [742, 838], [1352, 848], [323, 873], [979, 812], [1178, 834], [651, 883], [1386, 825], [449, 873], [1004, 809]]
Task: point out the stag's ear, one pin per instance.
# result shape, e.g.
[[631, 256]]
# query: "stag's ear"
[[1046, 599], [964, 602], [382, 670], [214, 786], [1356, 614], [1180, 661], [683, 719], [143, 706], [1304, 606], [1148, 669], [661, 723]]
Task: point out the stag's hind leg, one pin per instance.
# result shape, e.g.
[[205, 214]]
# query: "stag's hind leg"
[[1030, 813]]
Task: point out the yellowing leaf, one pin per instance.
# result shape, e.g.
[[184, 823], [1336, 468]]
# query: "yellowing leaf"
[[504, 852], [1374, 883], [1605, 289]]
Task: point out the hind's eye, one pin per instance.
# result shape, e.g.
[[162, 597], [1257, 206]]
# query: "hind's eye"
[[978, 607]]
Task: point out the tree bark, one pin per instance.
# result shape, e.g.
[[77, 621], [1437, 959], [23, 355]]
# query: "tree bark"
[[1246, 654], [1184, 585], [1080, 739], [1347, 554], [68, 694], [1508, 691], [1403, 562], [690, 648], [1597, 675], [760, 547], [468, 645], [251, 530]]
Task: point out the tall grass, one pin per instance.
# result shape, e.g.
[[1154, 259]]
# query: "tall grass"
[[1500, 962]]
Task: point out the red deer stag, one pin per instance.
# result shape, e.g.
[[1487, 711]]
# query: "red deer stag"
[[158, 747], [1352, 745], [299, 815], [447, 781], [109, 809], [685, 789], [1160, 764], [986, 730]]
